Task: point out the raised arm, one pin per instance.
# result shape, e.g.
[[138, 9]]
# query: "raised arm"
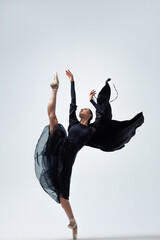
[[73, 93], [73, 107], [98, 108]]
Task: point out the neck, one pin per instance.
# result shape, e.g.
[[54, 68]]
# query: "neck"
[[84, 122]]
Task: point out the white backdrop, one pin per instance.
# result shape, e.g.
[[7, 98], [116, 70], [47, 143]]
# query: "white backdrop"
[[112, 194]]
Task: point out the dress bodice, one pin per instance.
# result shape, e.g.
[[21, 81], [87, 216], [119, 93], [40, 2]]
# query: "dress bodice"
[[79, 135]]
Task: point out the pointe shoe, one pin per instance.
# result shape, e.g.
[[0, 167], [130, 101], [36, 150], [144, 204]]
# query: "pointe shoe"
[[73, 228], [55, 83]]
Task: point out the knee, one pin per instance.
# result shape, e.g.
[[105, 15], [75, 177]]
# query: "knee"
[[52, 116]]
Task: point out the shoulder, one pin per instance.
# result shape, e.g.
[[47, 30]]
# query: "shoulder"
[[73, 123]]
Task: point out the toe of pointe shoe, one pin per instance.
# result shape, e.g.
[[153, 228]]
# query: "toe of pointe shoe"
[[55, 74], [56, 77], [74, 235]]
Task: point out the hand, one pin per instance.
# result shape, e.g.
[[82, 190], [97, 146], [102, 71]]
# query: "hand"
[[92, 93], [70, 75]]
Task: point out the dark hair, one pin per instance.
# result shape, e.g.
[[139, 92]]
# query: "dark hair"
[[90, 117]]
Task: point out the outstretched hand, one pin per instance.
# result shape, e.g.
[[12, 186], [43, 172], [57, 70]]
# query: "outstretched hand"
[[70, 75], [92, 93]]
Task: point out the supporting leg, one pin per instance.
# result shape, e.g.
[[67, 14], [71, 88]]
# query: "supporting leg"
[[67, 207]]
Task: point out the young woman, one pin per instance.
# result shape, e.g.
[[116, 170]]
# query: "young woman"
[[55, 152]]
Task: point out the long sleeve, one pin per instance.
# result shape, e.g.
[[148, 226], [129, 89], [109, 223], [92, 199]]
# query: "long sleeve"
[[103, 110], [73, 93], [98, 108], [73, 107]]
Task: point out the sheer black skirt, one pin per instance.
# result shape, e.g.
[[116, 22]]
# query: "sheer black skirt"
[[53, 165]]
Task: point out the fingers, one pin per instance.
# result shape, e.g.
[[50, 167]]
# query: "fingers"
[[68, 72], [93, 92]]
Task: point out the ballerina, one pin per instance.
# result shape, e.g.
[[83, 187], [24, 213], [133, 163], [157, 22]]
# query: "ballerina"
[[56, 152]]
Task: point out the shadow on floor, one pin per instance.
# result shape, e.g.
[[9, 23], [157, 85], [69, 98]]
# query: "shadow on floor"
[[123, 238], [109, 238]]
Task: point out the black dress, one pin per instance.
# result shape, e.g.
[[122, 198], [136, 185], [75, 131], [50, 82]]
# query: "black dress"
[[55, 153]]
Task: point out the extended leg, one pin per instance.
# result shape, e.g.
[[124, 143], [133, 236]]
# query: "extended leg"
[[51, 108], [52, 102]]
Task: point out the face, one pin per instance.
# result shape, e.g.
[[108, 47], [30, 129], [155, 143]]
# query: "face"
[[85, 113]]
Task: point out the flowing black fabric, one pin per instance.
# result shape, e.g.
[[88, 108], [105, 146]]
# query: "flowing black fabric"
[[55, 152], [110, 134]]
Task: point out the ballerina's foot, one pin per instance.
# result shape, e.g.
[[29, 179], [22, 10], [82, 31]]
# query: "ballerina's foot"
[[55, 83], [73, 226]]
